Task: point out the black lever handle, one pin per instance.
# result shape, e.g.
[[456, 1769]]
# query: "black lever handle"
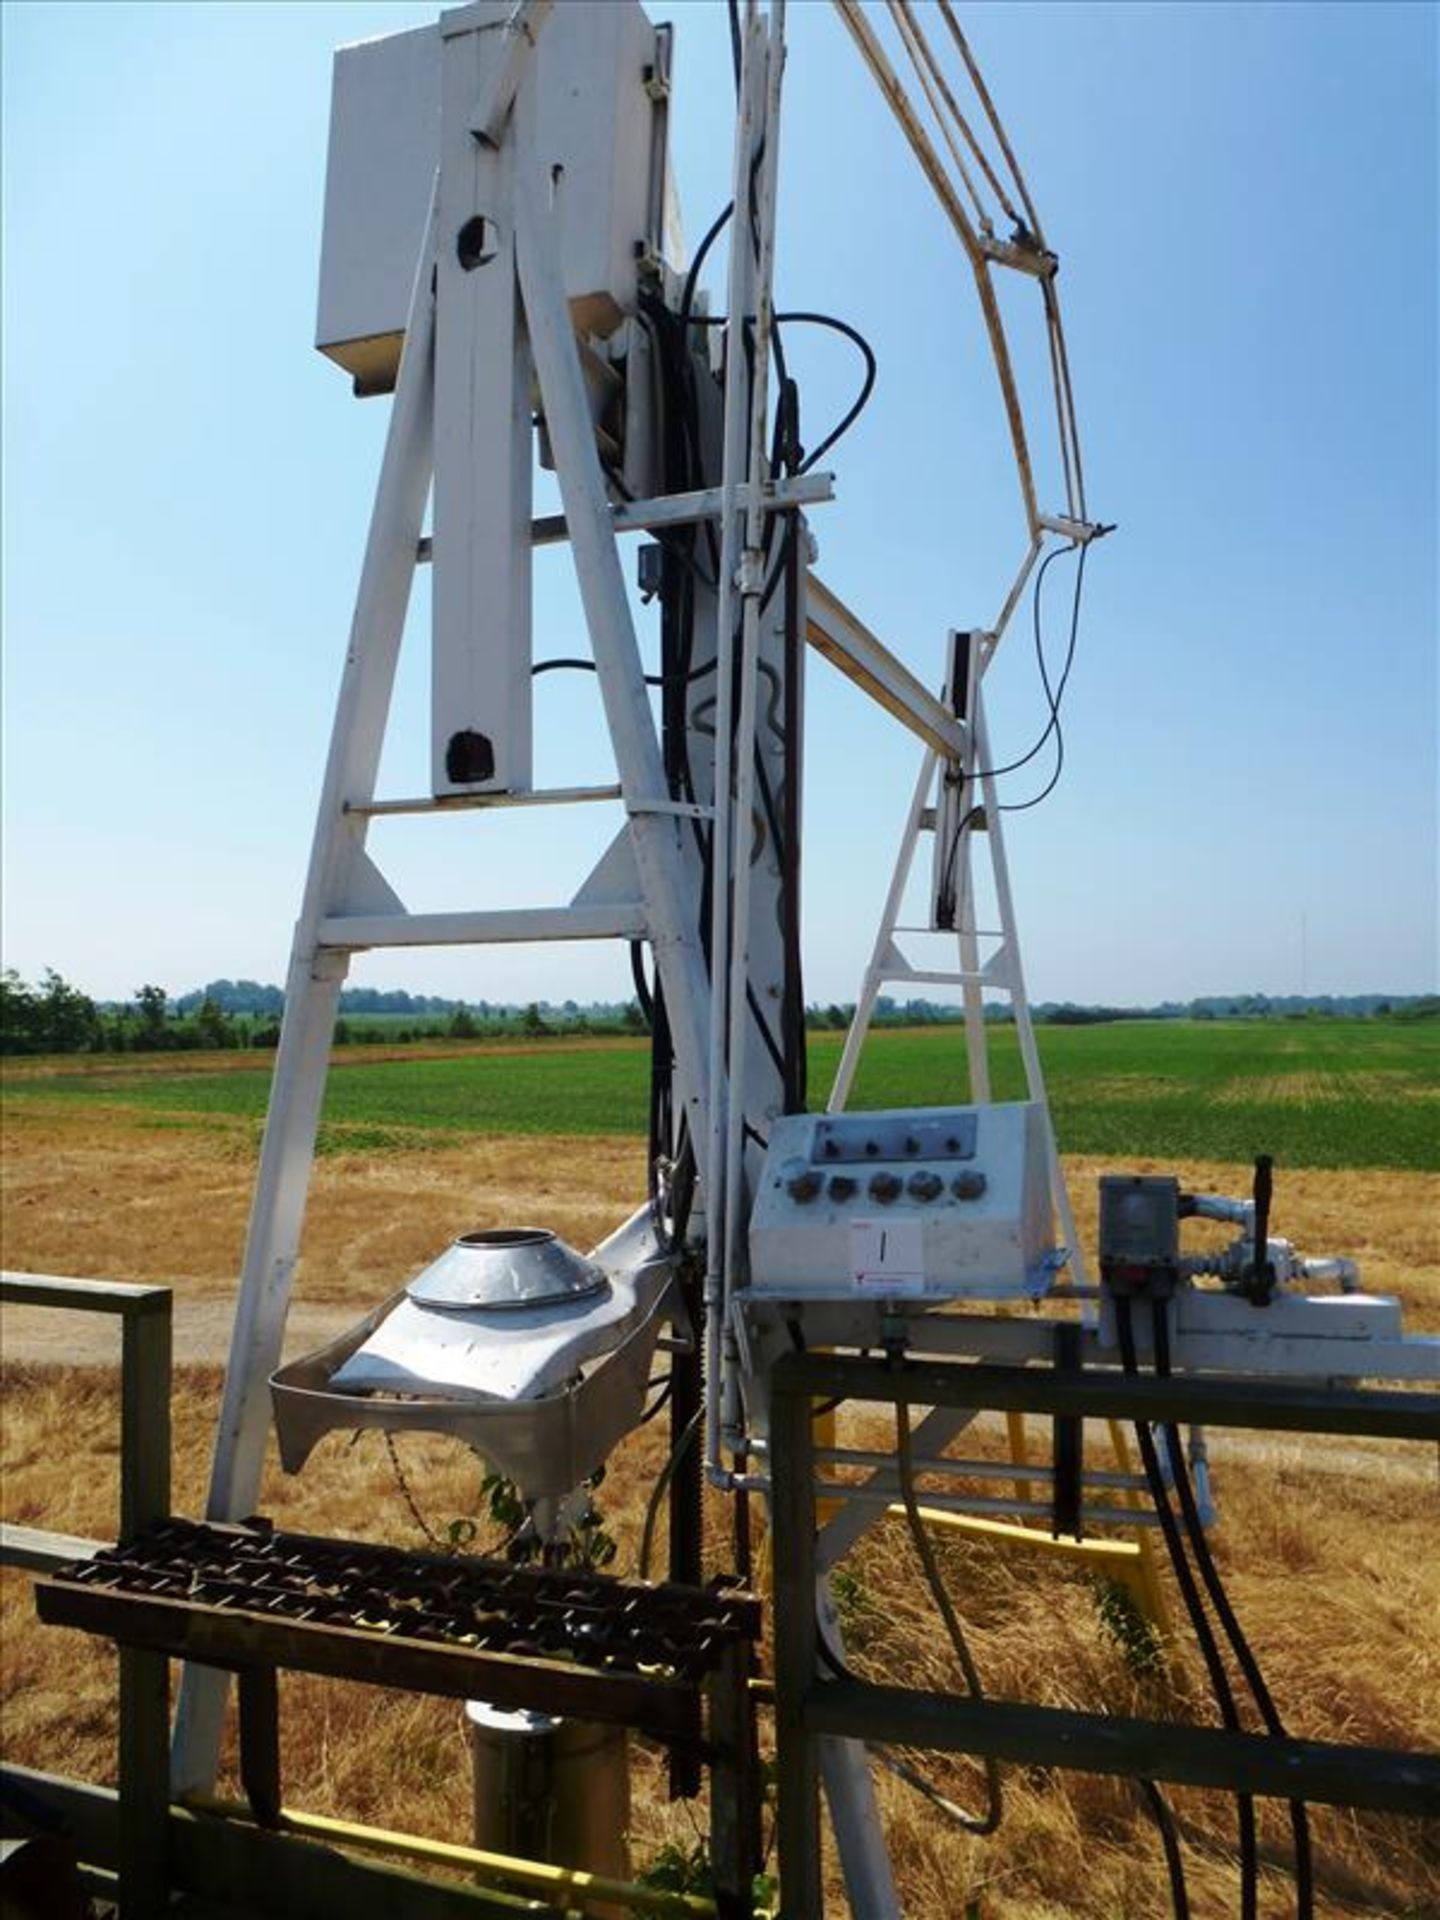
[[1263, 1281]]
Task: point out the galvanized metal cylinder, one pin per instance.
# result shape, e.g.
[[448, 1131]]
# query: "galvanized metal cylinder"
[[551, 1789]]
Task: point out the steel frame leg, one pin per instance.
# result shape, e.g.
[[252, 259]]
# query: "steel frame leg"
[[312, 988]]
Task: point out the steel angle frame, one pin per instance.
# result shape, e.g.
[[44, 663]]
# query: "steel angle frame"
[[974, 764], [315, 976], [348, 905], [145, 1357], [810, 1710]]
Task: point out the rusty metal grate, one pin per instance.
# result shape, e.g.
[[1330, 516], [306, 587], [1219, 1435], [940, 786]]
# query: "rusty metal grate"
[[485, 1606]]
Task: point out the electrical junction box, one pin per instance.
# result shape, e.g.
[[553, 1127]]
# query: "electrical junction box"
[[937, 1203], [1139, 1232], [599, 73]]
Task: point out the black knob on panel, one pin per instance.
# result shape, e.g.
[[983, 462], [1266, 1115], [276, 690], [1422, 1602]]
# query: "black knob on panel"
[[924, 1186], [885, 1187], [841, 1186], [803, 1186], [968, 1185]]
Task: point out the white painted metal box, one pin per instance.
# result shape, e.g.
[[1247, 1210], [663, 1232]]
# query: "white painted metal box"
[[597, 133], [938, 1202]]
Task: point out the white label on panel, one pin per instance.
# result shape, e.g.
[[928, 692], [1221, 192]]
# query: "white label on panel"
[[887, 1256]]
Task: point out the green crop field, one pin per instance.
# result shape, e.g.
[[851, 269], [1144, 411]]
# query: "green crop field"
[[1314, 1093]]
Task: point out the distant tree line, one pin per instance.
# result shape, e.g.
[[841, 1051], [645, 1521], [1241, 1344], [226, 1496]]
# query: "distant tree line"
[[52, 1016], [55, 1017]]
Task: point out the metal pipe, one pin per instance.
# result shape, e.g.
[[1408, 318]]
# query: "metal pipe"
[[837, 1490], [962, 1469], [571, 1881], [1345, 1273], [889, 83], [733, 463], [752, 582]]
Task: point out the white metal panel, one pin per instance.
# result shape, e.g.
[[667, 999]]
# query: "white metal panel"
[[596, 124], [942, 1202], [384, 149], [480, 695]]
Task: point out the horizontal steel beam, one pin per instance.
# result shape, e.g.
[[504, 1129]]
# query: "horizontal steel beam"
[[37, 1549], [847, 643], [1377, 1778], [469, 802], [679, 509], [86, 1296], [1108, 1394], [239, 1871]]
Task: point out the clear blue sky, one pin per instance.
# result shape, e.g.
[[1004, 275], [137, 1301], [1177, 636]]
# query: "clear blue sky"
[[1244, 200]]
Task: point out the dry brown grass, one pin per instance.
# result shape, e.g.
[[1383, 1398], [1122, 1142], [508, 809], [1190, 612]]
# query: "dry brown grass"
[[1329, 1551]]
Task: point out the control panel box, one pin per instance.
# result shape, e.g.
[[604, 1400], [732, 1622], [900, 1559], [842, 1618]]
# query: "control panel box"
[[601, 142], [938, 1203]]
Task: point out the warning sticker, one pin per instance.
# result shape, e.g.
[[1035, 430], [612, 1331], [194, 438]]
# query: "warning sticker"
[[887, 1256]]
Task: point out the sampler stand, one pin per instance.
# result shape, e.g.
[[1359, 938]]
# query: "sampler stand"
[[525, 148]]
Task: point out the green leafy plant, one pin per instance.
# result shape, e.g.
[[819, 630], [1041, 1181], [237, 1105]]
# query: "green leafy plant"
[[588, 1544], [1123, 1623], [677, 1869]]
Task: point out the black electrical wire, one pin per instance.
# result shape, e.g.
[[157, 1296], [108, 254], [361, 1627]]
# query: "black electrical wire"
[[867, 385], [692, 276], [657, 1492], [642, 985], [1054, 695], [1170, 1842], [835, 325], [660, 1402], [989, 1821], [1229, 1621], [684, 467], [1194, 1607], [575, 664]]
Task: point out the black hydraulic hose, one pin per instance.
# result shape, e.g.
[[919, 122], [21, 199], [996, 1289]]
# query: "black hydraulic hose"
[[1229, 1621], [1195, 1608]]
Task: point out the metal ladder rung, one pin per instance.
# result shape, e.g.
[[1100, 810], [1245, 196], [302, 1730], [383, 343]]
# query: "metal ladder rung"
[[619, 920], [978, 933], [933, 976], [464, 802]]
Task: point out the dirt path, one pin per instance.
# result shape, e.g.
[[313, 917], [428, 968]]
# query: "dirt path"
[[34, 1336], [37, 1336]]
